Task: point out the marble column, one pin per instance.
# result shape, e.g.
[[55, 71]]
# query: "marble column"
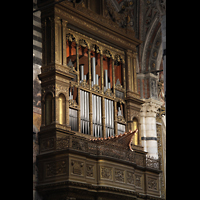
[[148, 126]]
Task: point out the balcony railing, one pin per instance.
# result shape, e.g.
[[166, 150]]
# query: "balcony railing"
[[84, 145]]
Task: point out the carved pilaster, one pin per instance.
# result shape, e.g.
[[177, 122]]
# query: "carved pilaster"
[[134, 73], [113, 74], [77, 62], [129, 71], [102, 77], [89, 66], [58, 41], [64, 26]]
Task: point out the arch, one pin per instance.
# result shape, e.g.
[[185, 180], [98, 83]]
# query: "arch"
[[62, 108], [48, 108], [150, 31], [135, 126]]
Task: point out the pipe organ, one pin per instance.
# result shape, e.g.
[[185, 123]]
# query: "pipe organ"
[[98, 71], [89, 91]]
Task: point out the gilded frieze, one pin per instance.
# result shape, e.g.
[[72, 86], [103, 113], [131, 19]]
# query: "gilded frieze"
[[102, 48]]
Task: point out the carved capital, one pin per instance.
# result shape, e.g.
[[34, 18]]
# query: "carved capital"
[[150, 108]]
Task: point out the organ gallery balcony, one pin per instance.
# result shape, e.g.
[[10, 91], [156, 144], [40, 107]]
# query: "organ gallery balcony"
[[97, 166]]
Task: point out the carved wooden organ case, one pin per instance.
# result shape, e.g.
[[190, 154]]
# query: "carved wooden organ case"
[[88, 74]]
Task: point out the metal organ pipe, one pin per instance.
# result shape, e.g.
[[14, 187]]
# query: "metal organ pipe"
[[93, 70], [97, 115], [84, 107], [97, 79], [106, 79], [82, 72], [109, 117]]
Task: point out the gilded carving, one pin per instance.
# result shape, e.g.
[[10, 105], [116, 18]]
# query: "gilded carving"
[[108, 92], [89, 170], [70, 37], [77, 167], [138, 181], [119, 175], [152, 184], [96, 88], [106, 173], [121, 119], [100, 47], [56, 168], [47, 144], [62, 143], [130, 178], [72, 103]]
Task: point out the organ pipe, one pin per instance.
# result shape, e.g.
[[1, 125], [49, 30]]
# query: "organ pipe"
[[93, 71], [106, 80], [73, 119], [84, 107], [82, 72], [109, 117], [97, 115], [120, 128]]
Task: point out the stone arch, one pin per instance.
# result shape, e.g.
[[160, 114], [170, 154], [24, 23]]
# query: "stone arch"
[[147, 41], [155, 48]]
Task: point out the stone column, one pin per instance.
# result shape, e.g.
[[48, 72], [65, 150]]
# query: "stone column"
[[148, 126]]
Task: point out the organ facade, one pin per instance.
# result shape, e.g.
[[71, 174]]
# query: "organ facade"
[[90, 140]]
